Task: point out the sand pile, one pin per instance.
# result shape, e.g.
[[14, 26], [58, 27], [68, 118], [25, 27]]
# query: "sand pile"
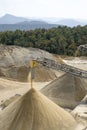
[[80, 112], [67, 91], [21, 73], [8, 101], [34, 111], [14, 63]]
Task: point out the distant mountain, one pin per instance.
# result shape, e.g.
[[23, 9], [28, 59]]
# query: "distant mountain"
[[11, 19], [70, 22], [51, 20], [32, 22], [66, 22], [11, 22], [26, 26]]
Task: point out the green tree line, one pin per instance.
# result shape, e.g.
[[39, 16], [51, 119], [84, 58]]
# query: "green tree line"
[[62, 40]]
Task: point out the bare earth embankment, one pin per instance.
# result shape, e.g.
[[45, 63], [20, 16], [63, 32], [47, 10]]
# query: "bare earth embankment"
[[14, 67]]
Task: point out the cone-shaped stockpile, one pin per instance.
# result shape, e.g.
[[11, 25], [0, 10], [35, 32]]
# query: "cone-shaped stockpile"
[[81, 111], [33, 111], [67, 91]]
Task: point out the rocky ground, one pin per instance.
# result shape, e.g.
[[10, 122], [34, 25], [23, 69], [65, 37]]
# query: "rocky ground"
[[14, 70]]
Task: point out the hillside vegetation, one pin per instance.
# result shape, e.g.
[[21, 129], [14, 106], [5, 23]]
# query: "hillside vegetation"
[[26, 26], [62, 40]]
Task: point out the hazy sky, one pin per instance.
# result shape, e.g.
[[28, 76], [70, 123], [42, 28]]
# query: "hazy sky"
[[45, 8]]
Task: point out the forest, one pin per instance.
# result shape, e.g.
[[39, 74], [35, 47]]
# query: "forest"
[[60, 40]]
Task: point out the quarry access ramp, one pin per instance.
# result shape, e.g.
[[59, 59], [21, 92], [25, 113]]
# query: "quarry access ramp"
[[63, 67]]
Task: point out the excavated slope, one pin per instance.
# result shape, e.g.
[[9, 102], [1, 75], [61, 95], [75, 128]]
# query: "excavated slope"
[[14, 63], [34, 111], [67, 91]]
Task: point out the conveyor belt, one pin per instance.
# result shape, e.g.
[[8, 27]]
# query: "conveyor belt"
[[63, 67]]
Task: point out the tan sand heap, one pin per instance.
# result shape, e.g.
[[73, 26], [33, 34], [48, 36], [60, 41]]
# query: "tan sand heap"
[[14, 63], [80, 112], [67, 91], [34, 111]]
